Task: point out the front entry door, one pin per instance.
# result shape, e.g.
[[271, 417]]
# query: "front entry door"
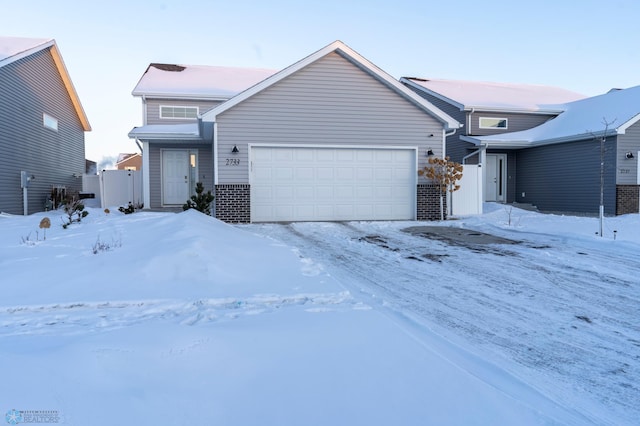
[[175, 177], [495, 183]]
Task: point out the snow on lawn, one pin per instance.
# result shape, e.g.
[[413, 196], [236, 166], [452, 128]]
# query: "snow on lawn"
[[176, 319]]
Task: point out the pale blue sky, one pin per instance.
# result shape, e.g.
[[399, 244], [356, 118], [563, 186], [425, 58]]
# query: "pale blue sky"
[[587, 46]]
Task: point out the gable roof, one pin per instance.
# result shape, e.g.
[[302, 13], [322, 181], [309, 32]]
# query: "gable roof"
[[345, 51], [487, 96], [15, 48], [197, 81], [583, 119]]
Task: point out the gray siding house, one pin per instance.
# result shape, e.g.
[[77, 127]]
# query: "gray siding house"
[[559, 162], [331, 137], [42, 124], [487, 108]]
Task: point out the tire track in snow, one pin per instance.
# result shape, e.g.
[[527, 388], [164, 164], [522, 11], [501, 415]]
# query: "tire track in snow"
[[569, 328], [79, 318]]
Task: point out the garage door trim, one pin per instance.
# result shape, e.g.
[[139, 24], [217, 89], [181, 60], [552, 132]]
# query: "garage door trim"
[[412, 179]]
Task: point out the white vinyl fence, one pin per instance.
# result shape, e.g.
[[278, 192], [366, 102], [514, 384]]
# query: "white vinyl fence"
[[115, 188], [468, 199]]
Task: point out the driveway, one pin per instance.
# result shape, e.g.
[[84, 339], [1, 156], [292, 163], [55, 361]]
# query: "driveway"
[[555, 312]]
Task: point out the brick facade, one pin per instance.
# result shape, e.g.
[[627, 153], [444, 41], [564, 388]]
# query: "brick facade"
[[627, 199], [233, 203], [428, 199]]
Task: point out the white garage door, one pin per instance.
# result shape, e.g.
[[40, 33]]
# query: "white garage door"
[[330, 184]]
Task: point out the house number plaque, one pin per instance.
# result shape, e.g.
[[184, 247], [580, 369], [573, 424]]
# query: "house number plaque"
[[233, 162]]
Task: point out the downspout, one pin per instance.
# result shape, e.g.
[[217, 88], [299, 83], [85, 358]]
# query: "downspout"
[[144, 110], [445, 135]]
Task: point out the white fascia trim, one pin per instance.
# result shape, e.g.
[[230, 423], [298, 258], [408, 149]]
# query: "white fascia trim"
[[623, 128], [215, 154], [68, 84], [449, 122], [181, 96], [408, 81], [479, 109], [332, 146], [28, 52]]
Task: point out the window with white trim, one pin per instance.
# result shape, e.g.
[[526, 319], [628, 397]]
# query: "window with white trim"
[[184, 112], [493, 123], [49, 122]]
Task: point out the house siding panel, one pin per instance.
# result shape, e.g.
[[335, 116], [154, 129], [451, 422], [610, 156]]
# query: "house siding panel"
[[547, 174], [627, 169], [330, 102], [153, 109], [455, 149], [30, 87], [516, 122]]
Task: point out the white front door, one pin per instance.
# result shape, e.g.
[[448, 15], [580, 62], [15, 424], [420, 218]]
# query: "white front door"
[[495, 183], [175, 177]]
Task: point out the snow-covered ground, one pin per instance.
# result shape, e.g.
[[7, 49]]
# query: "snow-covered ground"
[[176, 319]]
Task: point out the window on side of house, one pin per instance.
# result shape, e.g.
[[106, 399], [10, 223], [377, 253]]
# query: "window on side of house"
[[493, 123], [49, 122], [179, 112]]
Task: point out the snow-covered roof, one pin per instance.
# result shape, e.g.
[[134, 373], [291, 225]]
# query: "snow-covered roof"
[[344, 50], [581, 119], [197, 81], [166, 131], [507, 97], [16, 48]]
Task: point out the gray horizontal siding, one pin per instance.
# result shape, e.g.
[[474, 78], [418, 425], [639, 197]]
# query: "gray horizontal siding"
[[627, 170], [205, 167], [516, 122], [153, 109], [330, 102], [566, 177], [30, 87]]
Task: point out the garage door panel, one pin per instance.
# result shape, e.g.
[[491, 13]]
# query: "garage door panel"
[[325, 173], [285, 154], [311, 184]]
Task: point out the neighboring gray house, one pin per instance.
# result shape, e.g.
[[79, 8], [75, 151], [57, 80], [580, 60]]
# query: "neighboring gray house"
[[491, 108], [331, 137], [559, 162], [42, 124]]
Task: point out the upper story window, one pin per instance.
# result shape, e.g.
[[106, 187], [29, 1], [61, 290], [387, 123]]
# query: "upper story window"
[[493, 123], [50, 122], [178, 112]]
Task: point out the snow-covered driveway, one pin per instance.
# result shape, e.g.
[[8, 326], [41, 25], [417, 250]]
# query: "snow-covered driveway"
[[561, 313]]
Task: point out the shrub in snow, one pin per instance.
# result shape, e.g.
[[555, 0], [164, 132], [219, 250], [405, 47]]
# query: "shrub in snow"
[[131, 208], [200, 201], [104, 246], [74, 210], [445, 174]]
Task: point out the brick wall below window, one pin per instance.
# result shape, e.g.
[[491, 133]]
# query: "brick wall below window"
[[233, 203], [627, 199]]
